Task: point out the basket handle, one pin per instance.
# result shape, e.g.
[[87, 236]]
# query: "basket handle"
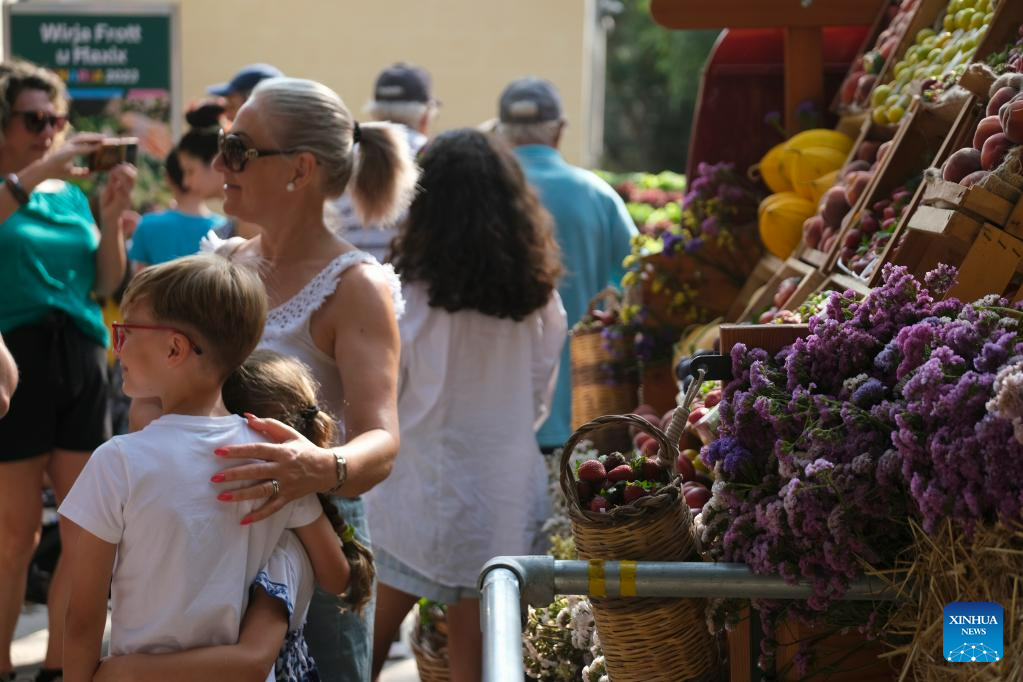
[[679, 419], [609, 296], [568, 486]]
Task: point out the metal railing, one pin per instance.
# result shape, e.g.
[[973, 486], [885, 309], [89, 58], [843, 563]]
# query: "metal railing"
[[508, 584]]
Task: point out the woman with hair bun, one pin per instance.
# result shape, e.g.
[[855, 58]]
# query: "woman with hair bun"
[[293, 146], [176, 232]]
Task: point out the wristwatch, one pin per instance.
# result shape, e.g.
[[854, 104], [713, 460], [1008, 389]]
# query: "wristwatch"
[[342, 472], [16, 188]]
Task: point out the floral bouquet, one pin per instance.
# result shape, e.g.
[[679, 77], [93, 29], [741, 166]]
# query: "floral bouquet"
[[896, 410], [691, 259]]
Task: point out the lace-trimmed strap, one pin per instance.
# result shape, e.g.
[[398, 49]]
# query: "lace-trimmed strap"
[[320, 288]]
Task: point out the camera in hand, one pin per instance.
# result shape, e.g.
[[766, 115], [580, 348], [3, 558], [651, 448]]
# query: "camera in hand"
[[115, 150]]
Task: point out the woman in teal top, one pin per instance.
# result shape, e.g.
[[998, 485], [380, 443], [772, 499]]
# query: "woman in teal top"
[[53, 263]]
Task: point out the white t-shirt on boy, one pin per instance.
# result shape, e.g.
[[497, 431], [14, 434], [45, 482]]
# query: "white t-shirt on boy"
[[184, 562]]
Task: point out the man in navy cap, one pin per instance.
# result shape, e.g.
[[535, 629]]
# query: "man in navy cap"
[[237, 90], [402, 95], [591, 222]]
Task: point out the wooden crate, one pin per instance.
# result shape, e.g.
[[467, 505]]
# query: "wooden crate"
[[848, 657], [764, 271], [869, 132], [764, 296], [925, 138], [946, 222], [926, 14], [975, 201], [770, 337], [1003, 29], [989, 265]]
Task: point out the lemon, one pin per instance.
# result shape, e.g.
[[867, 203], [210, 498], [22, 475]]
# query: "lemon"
[[879, 115], [963, 18], [924, 34], [949, 22], [895, 113], [880, 94]]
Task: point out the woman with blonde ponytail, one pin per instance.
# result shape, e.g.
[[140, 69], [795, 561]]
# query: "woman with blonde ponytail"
[[293, 146]]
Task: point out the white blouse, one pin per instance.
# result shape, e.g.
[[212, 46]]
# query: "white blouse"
[[469, 482]]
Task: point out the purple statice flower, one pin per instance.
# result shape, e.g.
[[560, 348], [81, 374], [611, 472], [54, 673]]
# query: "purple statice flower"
[[939, 280], [870, 393], [710, 227], [694, 245]]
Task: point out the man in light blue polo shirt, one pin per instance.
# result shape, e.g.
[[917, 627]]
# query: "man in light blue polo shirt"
[[592, 224]]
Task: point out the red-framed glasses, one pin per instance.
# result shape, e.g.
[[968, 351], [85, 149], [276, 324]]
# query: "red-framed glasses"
[[119, 329]]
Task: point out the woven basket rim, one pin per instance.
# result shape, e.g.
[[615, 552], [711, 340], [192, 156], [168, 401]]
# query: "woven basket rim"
[[663, 498]]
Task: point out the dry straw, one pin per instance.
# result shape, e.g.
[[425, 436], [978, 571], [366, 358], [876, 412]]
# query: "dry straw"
[[950, 567]]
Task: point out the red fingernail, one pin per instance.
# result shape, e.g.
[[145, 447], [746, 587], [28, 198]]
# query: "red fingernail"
[[246, 521], [226, 497], [220, 452], [217, 478], [249, 415]]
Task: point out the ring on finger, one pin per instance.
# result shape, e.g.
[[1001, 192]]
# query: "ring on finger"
[[276, 488]]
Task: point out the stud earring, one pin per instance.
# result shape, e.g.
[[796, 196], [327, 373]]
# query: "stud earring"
[[290, 187]]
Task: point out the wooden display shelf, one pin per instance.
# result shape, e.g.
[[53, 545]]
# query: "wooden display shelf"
[[803, 50], [700, 14]]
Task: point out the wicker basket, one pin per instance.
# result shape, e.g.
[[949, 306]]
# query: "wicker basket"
[[644, 639], [600, 383], [431, 662]]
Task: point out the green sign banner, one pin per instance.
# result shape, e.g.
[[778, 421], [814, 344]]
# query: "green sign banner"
[[95, 51], [119, 63]]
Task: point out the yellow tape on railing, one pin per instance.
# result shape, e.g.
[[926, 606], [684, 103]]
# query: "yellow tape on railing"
[[628, 578], [596, 571]]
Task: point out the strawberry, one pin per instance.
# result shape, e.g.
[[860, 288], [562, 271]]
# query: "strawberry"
[[585, 491], [599, 504], [621, 473], [592, 472], [633, 493], [613, 461], [652, 471]]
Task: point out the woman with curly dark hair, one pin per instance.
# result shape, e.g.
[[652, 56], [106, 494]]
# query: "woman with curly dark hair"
[[481, 337]]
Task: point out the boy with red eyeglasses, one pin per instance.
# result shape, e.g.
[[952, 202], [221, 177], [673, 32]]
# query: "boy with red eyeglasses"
[[179, 565]]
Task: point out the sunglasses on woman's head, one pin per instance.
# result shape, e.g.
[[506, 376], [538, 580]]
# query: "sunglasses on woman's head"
[[236, 153], [119, 329], [36, 121]]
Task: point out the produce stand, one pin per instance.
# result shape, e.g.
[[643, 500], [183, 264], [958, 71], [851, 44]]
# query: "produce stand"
[[867, 423]]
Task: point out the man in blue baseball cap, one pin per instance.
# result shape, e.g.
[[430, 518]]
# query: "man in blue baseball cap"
[[591, 222], [237, 90]]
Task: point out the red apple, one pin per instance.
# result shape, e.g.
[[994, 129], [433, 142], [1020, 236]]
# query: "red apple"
[[650, 448], [697, 414]]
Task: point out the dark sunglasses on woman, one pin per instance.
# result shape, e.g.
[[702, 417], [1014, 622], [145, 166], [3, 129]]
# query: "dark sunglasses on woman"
[[236, 153], [36, 121]]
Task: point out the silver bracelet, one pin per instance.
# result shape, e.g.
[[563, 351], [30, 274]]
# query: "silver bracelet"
[[341, 470]]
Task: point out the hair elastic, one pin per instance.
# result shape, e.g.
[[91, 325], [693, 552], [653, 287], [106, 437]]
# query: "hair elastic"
[[356, 133], [309, 413]]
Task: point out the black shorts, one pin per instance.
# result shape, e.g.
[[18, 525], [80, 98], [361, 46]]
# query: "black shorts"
[[61, 400]]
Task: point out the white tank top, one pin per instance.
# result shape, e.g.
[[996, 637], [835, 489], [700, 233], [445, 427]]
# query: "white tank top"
[[287, 327]]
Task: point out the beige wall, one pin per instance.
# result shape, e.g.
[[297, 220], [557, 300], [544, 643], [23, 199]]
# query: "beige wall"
[[471, 47]]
